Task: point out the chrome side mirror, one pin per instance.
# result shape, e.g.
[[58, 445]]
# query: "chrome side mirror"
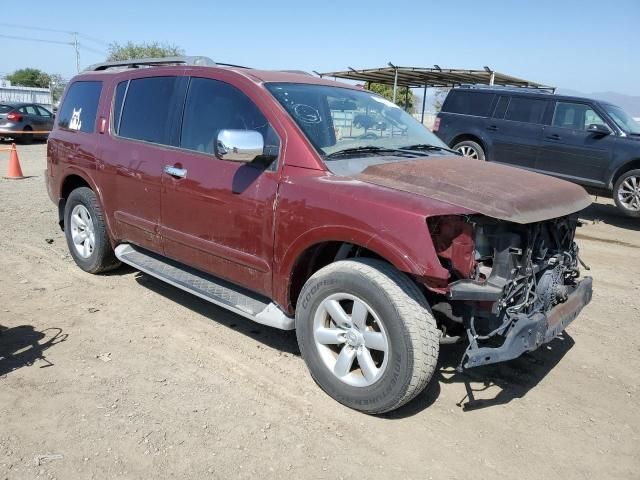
[[239, 145]]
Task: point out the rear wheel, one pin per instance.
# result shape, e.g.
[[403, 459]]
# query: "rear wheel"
[[470, 149], [86, 232], [27, 137], [366, 334]]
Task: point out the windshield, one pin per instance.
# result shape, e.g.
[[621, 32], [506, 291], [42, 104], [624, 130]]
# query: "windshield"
[[5, 108], [623, 119], [343, 124]]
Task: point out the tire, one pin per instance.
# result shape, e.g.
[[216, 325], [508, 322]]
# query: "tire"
[[94, 254], [626, 193], [397, 313], [26, 138], [470, 149]]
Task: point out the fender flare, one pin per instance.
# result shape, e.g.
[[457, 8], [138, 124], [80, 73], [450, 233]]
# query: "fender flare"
[[336, 233], [84, 174]]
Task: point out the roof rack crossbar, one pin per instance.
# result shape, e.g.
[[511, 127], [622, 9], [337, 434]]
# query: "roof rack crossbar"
[[517, 88], [137, 62]]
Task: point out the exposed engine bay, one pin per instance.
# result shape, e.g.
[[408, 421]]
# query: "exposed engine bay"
[[514, 286]]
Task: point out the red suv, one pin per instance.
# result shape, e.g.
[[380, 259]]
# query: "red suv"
[[260, 192]]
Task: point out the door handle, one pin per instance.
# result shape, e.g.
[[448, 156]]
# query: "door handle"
[[175, 171], [493, 128], [555, 136]]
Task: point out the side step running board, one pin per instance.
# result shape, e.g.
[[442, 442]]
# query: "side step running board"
[[214, 290]]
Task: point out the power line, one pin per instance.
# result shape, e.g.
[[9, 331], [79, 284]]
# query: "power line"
[[30, 39], [93, 39], [91, 49], [42, 29], [27, 27]]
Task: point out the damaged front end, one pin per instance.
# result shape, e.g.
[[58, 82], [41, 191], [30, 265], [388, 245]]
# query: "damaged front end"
[[514, 286]]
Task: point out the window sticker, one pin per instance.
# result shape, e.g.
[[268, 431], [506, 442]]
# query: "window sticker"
[[75, 123]]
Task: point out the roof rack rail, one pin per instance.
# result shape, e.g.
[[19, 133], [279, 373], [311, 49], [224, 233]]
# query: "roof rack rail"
[[301, 72], [516, 88], [151, 62]]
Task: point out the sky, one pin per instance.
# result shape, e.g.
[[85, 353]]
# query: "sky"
[[588, 46]]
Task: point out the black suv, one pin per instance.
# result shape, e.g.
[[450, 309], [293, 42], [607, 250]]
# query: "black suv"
[[592, 143]]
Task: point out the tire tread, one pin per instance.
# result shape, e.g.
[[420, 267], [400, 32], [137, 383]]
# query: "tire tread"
[[422, 333]]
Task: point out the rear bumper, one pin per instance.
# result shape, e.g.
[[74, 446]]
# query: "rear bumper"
[[531, 331]]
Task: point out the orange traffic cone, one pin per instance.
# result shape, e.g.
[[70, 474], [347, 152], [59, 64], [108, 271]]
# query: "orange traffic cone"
[[15, 172]]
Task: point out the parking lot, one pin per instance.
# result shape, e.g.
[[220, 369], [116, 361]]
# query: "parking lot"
[[120, 375]]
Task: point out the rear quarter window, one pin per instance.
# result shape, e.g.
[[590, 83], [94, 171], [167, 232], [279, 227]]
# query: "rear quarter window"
[[80, 106], [468, 103]]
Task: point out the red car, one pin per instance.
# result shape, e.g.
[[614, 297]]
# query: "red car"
[[376, 246]]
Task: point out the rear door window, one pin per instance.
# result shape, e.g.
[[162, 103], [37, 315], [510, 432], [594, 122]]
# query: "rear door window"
[[44, 112], [29, 110], [151, 110], [80, 106], [529, 110], [118, 100], [469, 102], [501, 107]]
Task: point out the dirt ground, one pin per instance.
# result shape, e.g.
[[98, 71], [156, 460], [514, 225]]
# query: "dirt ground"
[[122, 376]]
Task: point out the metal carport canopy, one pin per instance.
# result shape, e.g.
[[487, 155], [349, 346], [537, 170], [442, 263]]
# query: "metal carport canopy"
[[416, 77], [421, 77]]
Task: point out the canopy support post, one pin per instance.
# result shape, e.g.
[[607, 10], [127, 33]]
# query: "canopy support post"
[[395, 86], [424, 100]]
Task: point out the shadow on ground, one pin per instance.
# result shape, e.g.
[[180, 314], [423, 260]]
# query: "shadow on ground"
[[609, 215], [272, 337], [22, 346], [512, 379]]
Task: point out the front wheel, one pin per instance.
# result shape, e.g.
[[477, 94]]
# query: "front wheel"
[[366, 334], [626, 193], [470, 149]]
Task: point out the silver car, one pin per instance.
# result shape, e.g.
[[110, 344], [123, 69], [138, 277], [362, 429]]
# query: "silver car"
[[30, 120]]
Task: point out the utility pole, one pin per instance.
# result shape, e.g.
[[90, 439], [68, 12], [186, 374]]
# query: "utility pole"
[[76, 46]]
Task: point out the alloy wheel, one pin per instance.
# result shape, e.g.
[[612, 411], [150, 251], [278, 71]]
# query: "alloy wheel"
[[468, 151], [629, 193], [82, 231], [351, 339]]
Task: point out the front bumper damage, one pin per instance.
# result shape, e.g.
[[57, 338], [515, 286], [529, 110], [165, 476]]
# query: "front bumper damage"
[[531, 331]]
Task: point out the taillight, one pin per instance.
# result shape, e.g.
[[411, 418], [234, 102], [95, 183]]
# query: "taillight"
[[15, 117], [436, 125]]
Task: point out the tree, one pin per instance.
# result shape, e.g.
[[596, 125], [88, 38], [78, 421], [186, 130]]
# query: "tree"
[[386, 91], [29, 77], [57, 84], [438, 98], [131, 50]]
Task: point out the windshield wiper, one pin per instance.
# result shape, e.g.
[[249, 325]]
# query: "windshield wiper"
[[368, 149], [427, 146]]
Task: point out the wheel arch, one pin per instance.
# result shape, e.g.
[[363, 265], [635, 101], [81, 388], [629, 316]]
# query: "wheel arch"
[[305, 258], [622, 169], [469, 136], [72, 180]]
